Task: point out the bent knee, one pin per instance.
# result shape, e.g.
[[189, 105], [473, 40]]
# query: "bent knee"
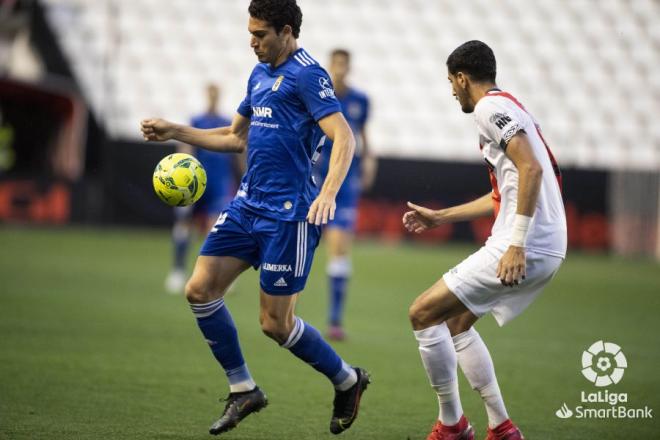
[[199, 293], [415, 315], [422, 316], [276, 329]]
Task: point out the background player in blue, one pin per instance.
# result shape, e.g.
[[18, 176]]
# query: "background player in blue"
[[274, 221], [339, 231], [220, 189]]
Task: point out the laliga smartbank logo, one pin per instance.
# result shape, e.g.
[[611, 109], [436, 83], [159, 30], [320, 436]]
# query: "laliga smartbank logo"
[[603, 364]]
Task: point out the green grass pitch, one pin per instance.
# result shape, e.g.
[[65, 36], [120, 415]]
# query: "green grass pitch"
[[92, 348]]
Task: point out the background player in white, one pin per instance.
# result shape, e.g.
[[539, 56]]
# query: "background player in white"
[[222, 171], [339, 231], [526, 247]]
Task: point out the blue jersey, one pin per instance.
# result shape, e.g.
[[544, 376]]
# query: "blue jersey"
[[355, 107], [216, 164], [284, 105], [220, 183]]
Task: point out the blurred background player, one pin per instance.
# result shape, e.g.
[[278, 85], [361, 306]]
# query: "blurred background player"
[[221, 171], [339, 232], [526, 247]]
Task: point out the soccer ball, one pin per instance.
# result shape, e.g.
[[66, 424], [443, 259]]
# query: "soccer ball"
[[179, 179]]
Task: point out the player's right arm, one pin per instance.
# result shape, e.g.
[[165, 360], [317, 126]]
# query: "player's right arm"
[[231, 139], [420, 219]]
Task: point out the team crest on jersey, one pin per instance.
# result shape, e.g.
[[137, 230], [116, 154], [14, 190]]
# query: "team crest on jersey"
[[277, 84]]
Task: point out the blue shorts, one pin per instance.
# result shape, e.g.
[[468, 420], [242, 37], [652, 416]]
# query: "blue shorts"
[[348, 195], [283, 250], [347, 201]]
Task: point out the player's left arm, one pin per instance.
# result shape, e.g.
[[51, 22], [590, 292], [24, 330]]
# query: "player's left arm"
[[337, 129], [512, 268]]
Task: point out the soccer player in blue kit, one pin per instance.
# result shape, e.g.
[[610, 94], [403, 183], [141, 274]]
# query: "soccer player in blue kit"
[[274, 221], [220, 189], [339, 231]]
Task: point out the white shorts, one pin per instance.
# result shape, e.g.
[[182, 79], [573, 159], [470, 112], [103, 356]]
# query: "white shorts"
[[476, 285]]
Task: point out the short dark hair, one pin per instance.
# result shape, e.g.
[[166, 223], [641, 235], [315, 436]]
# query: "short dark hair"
[[341, 52], [278, 13], [474, 58]]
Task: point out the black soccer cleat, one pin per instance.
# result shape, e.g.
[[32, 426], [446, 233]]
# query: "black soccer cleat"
[[346, 403], [238, 407]]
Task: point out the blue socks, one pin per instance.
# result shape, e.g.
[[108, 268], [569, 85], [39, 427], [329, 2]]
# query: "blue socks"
[[181, 238], [337, 295], [306, 343], [218, 328], [339, 271]]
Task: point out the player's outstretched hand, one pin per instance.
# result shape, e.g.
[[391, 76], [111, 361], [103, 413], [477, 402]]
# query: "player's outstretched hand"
[[511, 269], [157, 130], [420, 219], [322, 210]]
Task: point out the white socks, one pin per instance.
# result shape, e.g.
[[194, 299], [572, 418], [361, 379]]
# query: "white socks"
[[241, 387], [339, 267], [439, 358], [477, 365]]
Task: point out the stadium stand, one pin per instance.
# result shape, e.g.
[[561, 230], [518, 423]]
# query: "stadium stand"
[[580, 76], [580, 66]]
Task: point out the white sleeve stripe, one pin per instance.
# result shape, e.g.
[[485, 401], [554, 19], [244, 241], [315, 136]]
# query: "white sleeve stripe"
[[306, 56], [301, 60]]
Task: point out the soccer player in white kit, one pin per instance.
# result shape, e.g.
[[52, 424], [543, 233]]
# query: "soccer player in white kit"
[[524, 251]]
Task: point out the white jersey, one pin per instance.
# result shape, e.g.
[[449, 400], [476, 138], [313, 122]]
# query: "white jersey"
[[499, 117]]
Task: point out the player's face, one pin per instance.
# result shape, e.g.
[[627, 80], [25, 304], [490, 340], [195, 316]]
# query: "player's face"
[[339, 67], [459, 91], [265, 42]]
